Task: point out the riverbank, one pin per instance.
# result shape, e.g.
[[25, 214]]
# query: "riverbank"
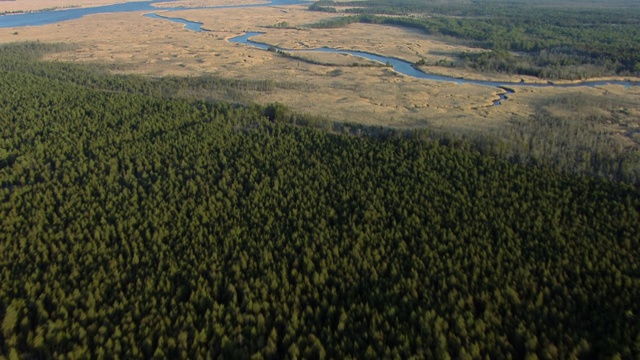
[[132, 43], [207, 3], [21, 6], [498, 77]]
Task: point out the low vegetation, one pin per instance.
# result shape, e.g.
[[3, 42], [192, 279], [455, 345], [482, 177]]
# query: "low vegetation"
[[577, 134]]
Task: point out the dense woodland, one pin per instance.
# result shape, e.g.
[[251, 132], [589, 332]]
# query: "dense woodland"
[[136, 225], [552, 40]]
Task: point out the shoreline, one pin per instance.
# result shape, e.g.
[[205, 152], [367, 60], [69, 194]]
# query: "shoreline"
[[514, 79], [367, 95], [195, 4], [36, 6]]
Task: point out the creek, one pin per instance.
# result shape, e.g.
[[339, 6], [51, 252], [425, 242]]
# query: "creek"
[[399, 65]]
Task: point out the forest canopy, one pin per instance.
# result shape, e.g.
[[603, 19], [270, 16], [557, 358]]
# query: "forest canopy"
[[139, 225], [551, 40]]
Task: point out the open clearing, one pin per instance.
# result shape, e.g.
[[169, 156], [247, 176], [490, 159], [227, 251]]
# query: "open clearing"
[[8, 6], [339, 91]]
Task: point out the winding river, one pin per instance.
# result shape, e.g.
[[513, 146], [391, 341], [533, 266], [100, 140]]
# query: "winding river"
[[36, 18], [400, 66]]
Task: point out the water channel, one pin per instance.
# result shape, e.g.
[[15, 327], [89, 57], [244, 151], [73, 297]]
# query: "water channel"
[[399, 65], [46, 17]]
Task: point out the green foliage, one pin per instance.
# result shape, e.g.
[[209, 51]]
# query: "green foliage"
[[552, 40], [134, 225], [10, 320], [571, 133], [280, 25], [323, 5]]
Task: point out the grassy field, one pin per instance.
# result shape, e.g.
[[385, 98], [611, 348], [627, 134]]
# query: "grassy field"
[[337, 90], [13, 6], [17, 6]]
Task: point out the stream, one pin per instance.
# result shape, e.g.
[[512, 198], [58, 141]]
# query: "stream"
[[399, 65]]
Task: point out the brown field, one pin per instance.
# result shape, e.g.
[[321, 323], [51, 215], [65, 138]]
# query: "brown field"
[[12, 6], [35, 5], [205, 3], [339, 91]]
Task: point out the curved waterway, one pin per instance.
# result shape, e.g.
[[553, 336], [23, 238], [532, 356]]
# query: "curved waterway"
[[399, 65], [37, 18], [407, 68]]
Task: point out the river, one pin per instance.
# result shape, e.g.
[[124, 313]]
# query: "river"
[[399, 65], [37, 18]]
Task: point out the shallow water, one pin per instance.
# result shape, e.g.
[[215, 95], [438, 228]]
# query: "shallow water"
[[55, 16], [407, 68], [401, 66]]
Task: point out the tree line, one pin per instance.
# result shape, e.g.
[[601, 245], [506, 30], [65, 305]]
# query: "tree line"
[[135, 225], [548, 40]]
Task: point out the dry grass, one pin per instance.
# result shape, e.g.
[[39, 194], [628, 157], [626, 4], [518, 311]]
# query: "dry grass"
[[368, 95], [205, 3], [7, 6], [35, 5]]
